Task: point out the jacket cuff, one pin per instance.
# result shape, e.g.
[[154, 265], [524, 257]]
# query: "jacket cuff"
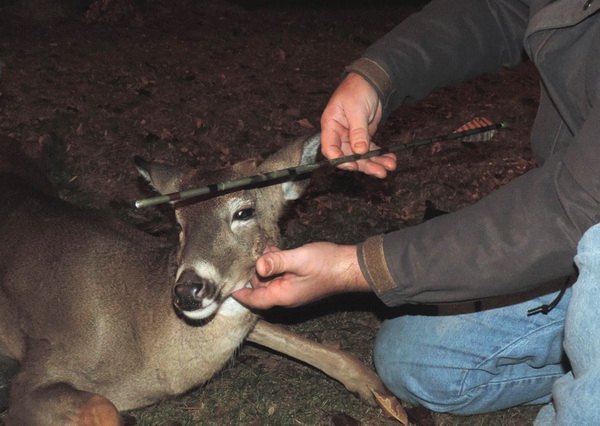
[[371, 259], [375, 75]]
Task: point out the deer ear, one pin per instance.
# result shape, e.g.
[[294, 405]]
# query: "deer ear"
[[245, 168], [301, 151], [164, 178]]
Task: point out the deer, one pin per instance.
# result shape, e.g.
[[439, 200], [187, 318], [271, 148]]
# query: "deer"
[[103, 317]]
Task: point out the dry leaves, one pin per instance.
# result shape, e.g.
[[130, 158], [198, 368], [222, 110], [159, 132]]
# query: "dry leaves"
[[305, 123], [391, 406]]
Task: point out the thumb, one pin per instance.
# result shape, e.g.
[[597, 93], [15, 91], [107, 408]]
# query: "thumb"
[[358, 134], [272, 263], [255, 299], [243, 295]]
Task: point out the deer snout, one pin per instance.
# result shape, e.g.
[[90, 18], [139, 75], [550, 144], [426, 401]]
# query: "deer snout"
[[186, 296], [192, 292]]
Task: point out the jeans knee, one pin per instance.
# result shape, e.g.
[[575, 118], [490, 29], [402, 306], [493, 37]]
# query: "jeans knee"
[[590, 241], [414, 374], [418, 371], [447, 365]]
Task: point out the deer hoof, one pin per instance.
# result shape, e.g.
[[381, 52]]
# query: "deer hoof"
[[99, 411]]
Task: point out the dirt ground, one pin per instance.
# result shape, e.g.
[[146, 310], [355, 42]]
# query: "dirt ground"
[[211, 83]]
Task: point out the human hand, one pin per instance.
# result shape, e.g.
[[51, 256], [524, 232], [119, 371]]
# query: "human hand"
[[349, 120], [295, 277]]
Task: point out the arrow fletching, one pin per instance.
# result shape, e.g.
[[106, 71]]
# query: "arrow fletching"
[[477, 123]]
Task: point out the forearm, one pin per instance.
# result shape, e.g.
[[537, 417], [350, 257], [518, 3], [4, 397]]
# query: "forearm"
[[523, 235], [351, 277], [447, 42]]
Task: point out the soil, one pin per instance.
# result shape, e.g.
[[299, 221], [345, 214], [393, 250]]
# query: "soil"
[[211, 83]]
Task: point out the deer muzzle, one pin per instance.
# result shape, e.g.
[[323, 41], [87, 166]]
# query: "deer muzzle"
[[194, 296]]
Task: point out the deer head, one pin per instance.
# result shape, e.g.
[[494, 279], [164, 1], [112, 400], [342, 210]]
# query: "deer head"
[[221, 236]]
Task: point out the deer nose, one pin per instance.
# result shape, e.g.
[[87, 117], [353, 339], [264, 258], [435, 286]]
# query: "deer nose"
[[187, 296], [190, 290]]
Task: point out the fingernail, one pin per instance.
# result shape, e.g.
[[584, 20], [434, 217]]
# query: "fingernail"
[[360, 146], [269, 270], [348, 167]]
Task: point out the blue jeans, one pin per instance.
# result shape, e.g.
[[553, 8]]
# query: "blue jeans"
[[575, 396], [497, 358]]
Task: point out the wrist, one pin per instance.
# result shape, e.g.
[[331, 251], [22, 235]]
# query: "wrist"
[[375, 75], [351, 277]]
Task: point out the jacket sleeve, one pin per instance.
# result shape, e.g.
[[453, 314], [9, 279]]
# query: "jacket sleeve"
[[447, 42], [522, 235]]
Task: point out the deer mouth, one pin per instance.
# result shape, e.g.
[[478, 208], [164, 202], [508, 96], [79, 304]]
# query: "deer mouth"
[[199, 300], [193, 302], [201, 313]]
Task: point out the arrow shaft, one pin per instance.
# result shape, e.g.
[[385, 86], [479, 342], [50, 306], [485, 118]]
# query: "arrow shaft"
[[306, 168]]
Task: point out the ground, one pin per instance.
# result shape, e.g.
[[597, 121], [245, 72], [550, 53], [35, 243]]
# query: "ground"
[[212, 83]]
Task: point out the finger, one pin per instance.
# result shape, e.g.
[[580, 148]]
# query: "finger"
[[243, 295], [258, 281], [252, 298], [358, 132], [331, 140], [378, 166], [263, 265], [273, 263], [373, 169], [388, 161], [271, 249]]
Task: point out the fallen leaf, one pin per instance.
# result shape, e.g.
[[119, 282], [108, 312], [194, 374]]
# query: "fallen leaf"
[[282, 55], [324, 205], [436, 147], [305, 123], [299, 212], [391, 406]]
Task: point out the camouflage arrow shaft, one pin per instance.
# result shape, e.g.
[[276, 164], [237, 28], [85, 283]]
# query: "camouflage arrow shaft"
[[307, 168]]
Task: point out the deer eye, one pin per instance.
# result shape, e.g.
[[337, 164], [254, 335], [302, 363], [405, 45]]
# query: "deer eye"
[[244, 214]]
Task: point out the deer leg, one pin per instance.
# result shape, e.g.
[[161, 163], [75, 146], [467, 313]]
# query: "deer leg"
[[59, 404], [357, 377]]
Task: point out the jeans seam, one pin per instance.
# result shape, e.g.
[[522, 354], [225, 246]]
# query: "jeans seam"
[[495, 356]]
